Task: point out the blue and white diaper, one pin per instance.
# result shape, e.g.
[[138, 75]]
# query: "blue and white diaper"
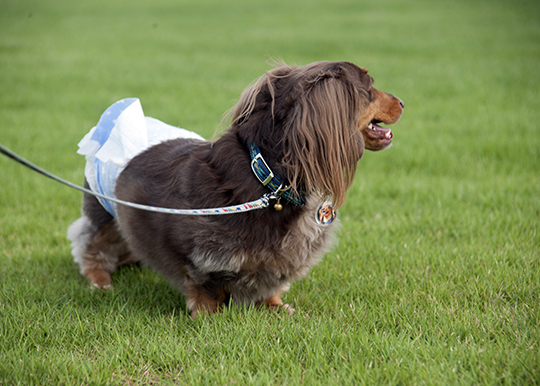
[[122, 132]]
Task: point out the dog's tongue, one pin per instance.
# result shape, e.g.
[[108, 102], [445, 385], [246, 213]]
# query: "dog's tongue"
[[383, 132]]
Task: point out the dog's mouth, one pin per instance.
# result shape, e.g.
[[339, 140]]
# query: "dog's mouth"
[[385, 109], [379, 133]]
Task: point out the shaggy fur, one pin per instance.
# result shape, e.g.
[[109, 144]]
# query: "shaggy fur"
[[311, 123]]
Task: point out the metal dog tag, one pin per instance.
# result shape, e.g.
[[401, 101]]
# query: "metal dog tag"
[[325, 213]]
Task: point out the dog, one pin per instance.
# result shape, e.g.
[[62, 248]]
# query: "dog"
[[306, 127]]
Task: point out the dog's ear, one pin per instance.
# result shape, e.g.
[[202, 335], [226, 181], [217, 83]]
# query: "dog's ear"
[[251, 97], [322, 141]]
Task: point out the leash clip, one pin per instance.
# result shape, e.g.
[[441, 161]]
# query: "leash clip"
[[272, 196]]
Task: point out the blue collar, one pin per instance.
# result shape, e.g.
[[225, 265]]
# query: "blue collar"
[[271, 180]]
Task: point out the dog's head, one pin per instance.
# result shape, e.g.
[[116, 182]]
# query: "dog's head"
[[382, 108], [316, 120]]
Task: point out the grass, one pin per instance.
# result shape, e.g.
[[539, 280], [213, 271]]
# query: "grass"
[[436, 279]]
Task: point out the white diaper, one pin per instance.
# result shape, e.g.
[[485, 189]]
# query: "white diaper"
[[122, 132]]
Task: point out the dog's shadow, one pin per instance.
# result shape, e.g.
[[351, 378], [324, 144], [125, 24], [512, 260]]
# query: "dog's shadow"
[[136, 289]]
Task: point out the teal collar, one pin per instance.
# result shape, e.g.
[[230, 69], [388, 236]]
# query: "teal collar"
[[277, 184]]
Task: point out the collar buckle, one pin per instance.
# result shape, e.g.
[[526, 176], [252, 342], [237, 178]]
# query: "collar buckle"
[[271, 180], [254, 168]]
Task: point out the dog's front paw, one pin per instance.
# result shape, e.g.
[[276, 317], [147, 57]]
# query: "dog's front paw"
[[288, 308], [281, 308], [275, 303]]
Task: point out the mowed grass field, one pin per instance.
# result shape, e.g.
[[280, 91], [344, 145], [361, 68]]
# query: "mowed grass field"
[[436, 277]]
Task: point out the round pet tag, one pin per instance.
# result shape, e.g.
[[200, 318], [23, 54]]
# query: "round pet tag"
[[325, 213]]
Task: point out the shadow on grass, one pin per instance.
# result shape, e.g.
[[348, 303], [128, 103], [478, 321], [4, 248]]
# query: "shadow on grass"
[[138, 288], [55, 282], [55, 287]]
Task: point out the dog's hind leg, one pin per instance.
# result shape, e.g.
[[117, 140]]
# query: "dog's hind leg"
[[96, 243], [98, 250], [200, 302]]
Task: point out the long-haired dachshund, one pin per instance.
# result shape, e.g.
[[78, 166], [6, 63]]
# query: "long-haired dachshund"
[[297, 132]]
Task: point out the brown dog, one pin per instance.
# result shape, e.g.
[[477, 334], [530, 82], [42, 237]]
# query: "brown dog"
[[309, 125]]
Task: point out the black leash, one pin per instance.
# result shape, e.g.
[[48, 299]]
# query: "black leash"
[[261, 203]]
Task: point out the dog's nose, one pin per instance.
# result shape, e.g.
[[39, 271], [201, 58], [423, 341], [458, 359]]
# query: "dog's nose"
[[401, 103]]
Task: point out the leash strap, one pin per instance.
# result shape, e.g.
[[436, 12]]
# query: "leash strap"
[[261, 203]]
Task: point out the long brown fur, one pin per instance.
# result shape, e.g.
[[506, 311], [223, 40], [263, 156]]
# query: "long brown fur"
[[311, 123]]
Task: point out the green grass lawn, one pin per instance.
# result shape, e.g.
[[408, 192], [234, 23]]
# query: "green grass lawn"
[[436, 278]]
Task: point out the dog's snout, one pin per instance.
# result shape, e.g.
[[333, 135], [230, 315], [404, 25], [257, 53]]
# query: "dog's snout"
[[401, 103]]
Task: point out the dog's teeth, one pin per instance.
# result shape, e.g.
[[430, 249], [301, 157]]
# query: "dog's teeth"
[[388, 135], [370, 126]]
